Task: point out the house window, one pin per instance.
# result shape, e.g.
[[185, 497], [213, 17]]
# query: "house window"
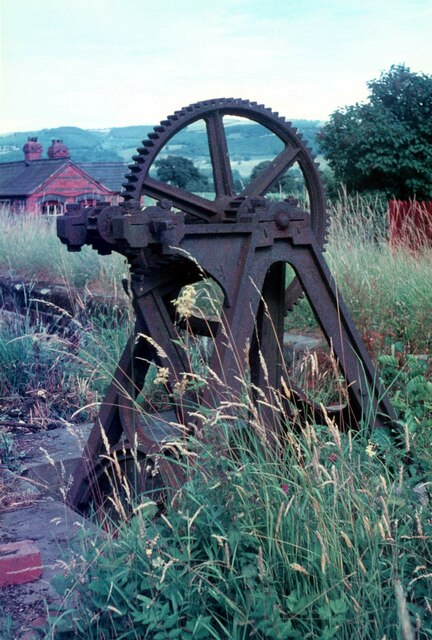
[[52, 208], [88, 199], [52, 204]]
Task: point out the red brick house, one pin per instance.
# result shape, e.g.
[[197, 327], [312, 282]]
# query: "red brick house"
[[47, 185]]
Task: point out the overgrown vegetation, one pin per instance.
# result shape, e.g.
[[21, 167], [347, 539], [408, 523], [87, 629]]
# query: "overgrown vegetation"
[[387, 289], [316, 535], [30, 249], [308, 536], [47, 377]]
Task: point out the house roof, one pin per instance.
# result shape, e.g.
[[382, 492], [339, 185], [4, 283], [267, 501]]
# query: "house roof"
[[22, 178], [110, 174]]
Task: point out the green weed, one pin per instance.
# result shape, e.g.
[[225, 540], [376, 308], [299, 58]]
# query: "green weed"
[[10, 457], [55, 374], [312, 538]]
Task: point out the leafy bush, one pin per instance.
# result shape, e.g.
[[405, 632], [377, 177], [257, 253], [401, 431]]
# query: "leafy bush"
[[409, 380], [182, 173]]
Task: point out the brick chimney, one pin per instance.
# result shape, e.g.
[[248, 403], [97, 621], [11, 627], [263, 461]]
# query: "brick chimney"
[[58, 150], [32, 150]]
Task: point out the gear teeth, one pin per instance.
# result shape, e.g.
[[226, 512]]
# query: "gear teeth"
[[153, 135], [296, 302], [326, 233], [128, 186], [135, 168], [137, 158], [159, 128]]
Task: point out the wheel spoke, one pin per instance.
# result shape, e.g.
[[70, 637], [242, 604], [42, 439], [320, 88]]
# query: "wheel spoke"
[[222, 174], [268, 176], [187, 202]]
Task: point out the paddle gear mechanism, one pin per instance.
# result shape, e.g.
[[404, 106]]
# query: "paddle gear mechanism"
[[243, 238]]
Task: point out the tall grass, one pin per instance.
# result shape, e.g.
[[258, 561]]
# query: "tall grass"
[[387, 289], [307, 536], [53, 376], [30, 249]]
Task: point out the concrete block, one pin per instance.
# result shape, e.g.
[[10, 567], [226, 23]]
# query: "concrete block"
[[20, 562]]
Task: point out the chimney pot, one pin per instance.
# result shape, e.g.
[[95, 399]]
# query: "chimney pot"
[[58, 150], [32, 149]]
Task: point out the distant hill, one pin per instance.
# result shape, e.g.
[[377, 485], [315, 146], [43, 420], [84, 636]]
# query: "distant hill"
[[120, 143]]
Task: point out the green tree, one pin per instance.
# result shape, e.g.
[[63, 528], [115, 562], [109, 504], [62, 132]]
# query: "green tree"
[[181, 173], [286, 184], [385, 144]]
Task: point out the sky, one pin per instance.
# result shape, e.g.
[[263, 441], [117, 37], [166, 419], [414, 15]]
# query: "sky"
[[108, 63]]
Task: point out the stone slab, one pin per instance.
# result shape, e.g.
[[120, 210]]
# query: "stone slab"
[[51, 457], [18, 485]]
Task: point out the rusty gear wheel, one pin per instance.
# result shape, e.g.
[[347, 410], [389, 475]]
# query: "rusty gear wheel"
[[141, 183], [242, 238]]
